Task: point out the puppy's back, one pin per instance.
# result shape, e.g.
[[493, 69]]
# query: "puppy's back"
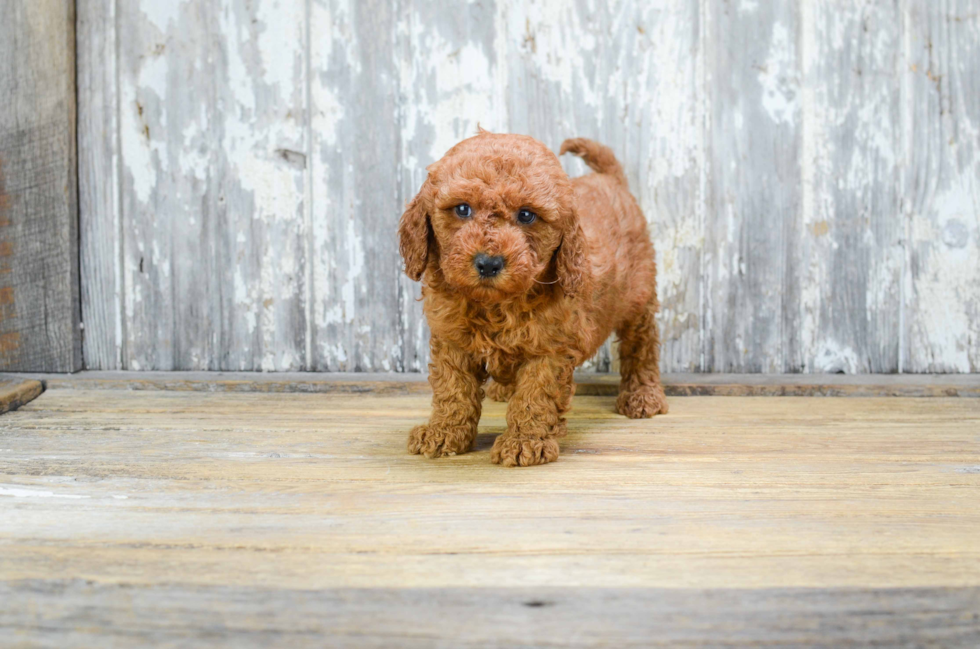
[[619, 241]]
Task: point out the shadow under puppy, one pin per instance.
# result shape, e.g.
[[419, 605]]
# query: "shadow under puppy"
[[525, 274]]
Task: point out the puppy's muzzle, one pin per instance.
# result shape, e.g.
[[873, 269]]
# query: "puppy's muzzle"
[[488, 266]]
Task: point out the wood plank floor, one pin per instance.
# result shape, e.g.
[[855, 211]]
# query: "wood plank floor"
[[262, 519]]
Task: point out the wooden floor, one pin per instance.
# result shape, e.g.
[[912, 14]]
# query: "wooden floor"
[[274, 519]]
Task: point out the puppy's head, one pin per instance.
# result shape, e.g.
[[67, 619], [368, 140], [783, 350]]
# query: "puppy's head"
[[496, 215]]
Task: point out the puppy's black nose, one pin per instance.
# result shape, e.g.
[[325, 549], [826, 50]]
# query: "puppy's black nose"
[[488, 266]]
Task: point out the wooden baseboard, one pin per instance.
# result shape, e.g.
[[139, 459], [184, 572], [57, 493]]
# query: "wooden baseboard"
[[741, 385]]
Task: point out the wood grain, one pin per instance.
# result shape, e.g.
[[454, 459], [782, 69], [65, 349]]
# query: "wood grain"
[[356, 323], [176, 614], [453, 77], [941, 186], [101, 227], [626, 74], [39, 300], [121, 510], [213, 134], [753, 171], [851, 243]]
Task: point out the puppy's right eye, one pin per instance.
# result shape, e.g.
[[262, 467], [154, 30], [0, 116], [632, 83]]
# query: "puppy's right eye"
[[463, 211]]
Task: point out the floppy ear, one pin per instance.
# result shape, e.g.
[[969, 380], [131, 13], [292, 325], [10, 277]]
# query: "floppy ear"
[[573, 265], [413, 234]]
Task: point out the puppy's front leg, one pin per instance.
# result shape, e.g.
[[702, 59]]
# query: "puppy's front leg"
[[457, 398], [542, 395]]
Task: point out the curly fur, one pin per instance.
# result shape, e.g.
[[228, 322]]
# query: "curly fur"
[[584, 269]]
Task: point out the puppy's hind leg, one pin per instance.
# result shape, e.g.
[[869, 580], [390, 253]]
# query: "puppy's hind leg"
[[641, 394]]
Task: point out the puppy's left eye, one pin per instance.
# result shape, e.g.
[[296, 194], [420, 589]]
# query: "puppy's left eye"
[[463, 211], [526, 217]]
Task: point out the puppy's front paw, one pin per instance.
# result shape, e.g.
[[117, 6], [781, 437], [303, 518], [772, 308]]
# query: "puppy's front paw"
[[498, 392], [520, 450], [433, 441], [642, 403]]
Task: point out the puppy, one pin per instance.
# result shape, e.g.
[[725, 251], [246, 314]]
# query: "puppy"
[[525, 273]]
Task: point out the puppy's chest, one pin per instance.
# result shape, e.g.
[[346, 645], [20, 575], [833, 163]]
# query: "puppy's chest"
[[503, 338], [500, 347], [503, 349]]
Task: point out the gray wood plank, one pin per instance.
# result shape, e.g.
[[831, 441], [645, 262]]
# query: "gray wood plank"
[[261, 228], [98, 184], [626, 74], [39, 301], [557, 86], [356, 284], [753, 214], [213, 137], [941, 187], [163, 206], [852, 241], [452, 81], [76, 613]]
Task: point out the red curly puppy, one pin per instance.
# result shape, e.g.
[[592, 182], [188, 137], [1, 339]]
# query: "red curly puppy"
[[526, 273]]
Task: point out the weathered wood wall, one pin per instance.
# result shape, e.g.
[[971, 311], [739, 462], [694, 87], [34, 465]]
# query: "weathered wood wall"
[[810, 170], [39, 305]]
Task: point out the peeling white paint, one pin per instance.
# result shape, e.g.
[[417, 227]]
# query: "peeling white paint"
[[163, 14], [779, 78], [137, 150], [552, 36], [672, 240], [833, 358], [850, 164], [464, 92], [947, 289], [328, 115], [942, 187]]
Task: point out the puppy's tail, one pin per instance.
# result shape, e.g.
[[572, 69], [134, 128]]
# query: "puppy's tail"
[[598, 156]]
